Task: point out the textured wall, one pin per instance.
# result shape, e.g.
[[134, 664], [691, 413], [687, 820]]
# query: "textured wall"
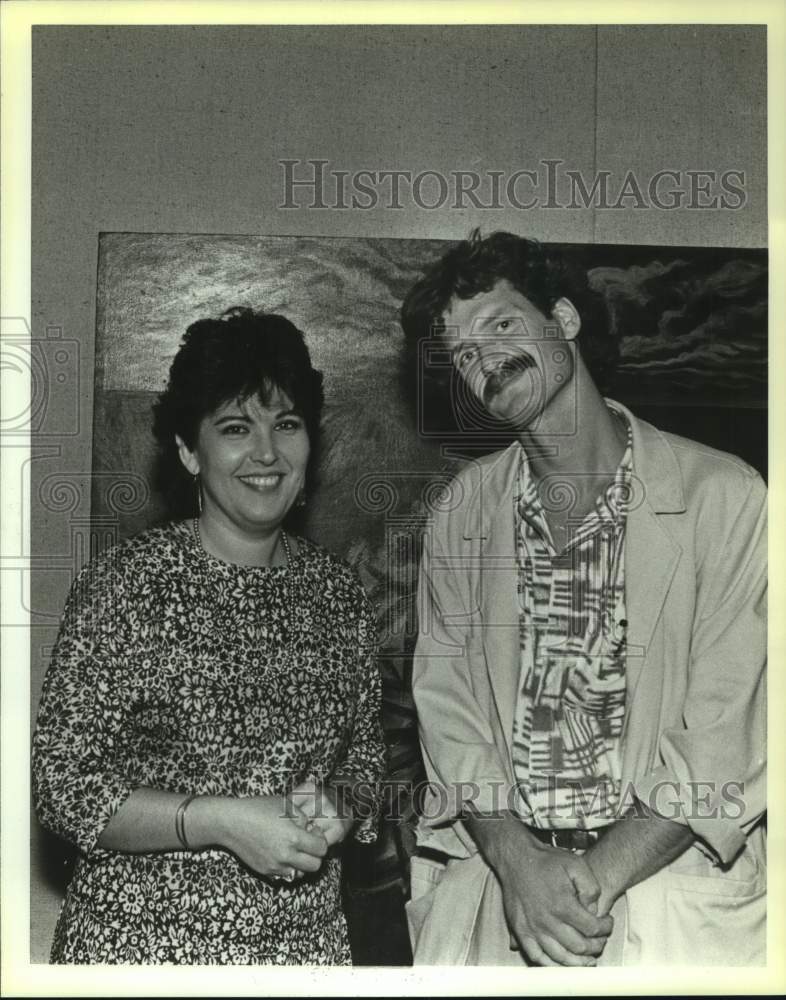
[[180, 130]]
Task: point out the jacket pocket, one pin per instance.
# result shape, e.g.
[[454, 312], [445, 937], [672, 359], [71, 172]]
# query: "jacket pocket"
[[695, 872], [717, 916]]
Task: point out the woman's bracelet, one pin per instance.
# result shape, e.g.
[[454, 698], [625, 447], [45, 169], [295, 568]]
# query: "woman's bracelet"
[[180, 821]]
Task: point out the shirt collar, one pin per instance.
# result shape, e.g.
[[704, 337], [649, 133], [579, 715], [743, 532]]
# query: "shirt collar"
[[610, 506]]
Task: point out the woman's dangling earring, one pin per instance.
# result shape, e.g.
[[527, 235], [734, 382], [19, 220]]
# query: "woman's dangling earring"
[[198, 486], [301, 497]]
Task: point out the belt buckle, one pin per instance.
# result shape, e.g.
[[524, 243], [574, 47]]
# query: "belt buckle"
[[573, 840]]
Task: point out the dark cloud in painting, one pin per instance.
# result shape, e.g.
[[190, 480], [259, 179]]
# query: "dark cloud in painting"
[[691, 328]]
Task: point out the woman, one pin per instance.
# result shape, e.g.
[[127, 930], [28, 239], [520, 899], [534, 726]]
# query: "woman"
[[209, 722]]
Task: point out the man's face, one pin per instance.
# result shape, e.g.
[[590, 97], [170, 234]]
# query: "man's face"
[[513, 359]]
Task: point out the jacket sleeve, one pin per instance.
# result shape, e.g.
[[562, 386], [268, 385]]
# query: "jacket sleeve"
[[77, 769], [360, 772], [462, 760], [717, 763]]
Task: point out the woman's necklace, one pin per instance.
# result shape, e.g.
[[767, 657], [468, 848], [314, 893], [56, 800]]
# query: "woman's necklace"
[[290, 577]]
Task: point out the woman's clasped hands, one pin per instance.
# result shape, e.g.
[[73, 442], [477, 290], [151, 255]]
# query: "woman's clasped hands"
[[281, 836], [274, 837]]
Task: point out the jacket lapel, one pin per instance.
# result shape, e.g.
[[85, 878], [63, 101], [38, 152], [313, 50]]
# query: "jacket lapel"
[[498, 579], [651, 553], [651, 559]]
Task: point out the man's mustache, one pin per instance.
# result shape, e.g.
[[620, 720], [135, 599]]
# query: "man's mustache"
[[508, 368]]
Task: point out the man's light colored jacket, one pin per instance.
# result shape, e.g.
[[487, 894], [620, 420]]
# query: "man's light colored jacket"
[[694, 738]]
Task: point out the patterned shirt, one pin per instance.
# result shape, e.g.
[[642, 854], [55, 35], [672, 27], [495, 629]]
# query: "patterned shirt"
[[571, 701]]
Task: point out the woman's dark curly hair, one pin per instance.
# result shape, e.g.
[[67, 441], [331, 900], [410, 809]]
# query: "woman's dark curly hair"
[[542, 274], [242, 354]]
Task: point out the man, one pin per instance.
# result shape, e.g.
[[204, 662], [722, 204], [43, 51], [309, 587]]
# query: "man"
[[589, 675]]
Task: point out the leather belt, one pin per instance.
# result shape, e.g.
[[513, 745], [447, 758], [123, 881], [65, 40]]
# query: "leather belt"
[[569, 840]]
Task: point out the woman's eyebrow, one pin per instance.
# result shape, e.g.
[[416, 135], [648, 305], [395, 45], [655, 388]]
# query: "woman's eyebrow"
[[233, 417]]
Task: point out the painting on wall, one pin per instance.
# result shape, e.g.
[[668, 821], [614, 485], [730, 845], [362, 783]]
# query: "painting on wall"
[[692, 331]]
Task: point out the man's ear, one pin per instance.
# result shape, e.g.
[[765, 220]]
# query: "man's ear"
[[187, 457], [566, 314]]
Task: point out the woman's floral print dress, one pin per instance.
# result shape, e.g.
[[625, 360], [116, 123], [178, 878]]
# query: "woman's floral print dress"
[[177, 671]]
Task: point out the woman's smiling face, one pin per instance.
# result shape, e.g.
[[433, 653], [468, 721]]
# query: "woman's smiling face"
[[251, 458]]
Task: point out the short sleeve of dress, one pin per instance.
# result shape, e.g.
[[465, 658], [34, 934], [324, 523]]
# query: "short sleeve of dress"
[[77, 767], [359, 774]]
